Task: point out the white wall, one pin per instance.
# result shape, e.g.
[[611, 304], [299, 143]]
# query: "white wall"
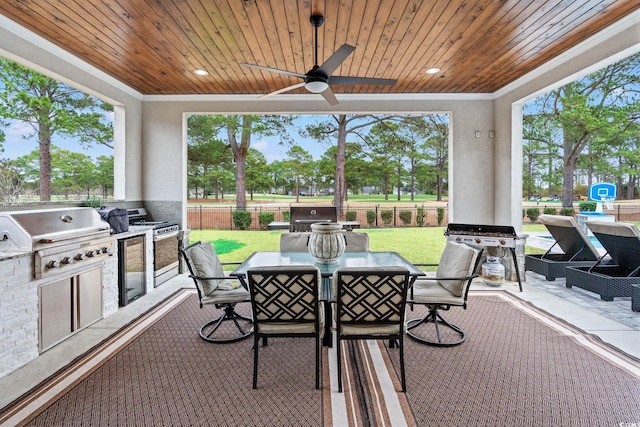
[[471, 167]]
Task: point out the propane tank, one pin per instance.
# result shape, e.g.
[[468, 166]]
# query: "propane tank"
[[493, 271]]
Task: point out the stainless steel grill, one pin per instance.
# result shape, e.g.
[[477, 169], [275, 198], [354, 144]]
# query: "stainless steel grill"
[[301, 217], [59, 238]]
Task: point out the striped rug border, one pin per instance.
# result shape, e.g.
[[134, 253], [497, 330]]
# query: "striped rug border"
[[41, 396]]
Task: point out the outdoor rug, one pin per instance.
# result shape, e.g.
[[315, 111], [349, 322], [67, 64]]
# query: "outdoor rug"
[[519, 366]]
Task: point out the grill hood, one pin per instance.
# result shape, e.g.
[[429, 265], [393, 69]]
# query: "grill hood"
[[25, 231]]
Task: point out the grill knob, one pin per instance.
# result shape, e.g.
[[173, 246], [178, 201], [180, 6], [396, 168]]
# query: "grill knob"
[[105, 250], [78, 257], [52, 264], [90, 254], [66, 260]]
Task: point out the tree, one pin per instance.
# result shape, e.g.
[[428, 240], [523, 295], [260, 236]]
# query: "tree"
[[387, 150], [593, 113], [10, 181], [258, 172], [239, 131], [300, 162], [72, 173], [51, 107], [104, 174], [339, 127], [209, 158]]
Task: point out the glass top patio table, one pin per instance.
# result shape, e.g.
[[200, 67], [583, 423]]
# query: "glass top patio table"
[[348, 259]]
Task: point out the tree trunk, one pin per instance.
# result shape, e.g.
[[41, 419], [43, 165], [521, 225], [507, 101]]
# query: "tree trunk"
[[240, 157], [339, 186], [44, 145]]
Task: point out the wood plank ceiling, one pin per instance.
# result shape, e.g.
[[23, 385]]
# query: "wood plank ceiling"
[[154, 46]]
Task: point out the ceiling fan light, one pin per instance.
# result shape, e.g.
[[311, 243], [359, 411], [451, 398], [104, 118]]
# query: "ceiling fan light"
[[316, 86]]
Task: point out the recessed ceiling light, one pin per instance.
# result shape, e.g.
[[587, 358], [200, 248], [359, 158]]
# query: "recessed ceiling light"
[[433, 70], [201, 72]]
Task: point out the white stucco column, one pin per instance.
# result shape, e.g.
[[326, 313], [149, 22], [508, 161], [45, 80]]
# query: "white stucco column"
[[471, 163]]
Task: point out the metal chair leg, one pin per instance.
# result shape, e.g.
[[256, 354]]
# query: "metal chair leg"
[[435, 318], [229, 313]]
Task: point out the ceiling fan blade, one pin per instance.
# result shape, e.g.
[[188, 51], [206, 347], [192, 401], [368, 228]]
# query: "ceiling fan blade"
[[348, 80], [273, 70], [284, 89], [328, 95], [336, 59]]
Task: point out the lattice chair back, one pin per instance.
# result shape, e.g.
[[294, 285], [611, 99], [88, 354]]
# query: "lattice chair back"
[[285, 303], [370, 304]]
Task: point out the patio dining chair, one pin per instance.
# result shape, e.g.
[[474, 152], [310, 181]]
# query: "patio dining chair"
[[286, 303], [449, 288], [370, 304], [215, 288], [298, 242]]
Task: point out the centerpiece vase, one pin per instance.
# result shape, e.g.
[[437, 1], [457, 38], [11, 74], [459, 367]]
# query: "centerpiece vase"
[[326, 242]]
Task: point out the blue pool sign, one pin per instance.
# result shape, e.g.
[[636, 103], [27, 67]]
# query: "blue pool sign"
[[603, 191]]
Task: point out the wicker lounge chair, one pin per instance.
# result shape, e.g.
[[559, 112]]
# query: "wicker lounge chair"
[[577, 248], [622, 243]]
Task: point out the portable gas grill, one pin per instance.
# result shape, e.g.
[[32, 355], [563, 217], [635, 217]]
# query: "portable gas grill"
[[502, 236]]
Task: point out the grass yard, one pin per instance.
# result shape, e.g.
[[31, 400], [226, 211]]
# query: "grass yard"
[[421, 245]]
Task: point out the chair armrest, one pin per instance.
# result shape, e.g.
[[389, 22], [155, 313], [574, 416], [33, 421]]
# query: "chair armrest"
[[212, 277], [432, 278]]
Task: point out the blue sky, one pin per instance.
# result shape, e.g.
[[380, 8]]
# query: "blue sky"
[[15, 145]]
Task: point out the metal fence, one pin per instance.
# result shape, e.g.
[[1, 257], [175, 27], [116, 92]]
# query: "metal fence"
[[204, 217], [221, 217]]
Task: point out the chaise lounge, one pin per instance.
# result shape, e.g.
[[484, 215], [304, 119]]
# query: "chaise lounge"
[[578, 251], [622, 243]]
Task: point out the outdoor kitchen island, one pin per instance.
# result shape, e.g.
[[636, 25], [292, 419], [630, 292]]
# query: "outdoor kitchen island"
[[52, 286]]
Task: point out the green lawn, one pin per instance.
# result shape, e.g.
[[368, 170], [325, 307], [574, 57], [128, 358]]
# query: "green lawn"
[[421, 245]]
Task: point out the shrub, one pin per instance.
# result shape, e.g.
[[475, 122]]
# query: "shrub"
[[371, 217], [588, 206], [405, 217], [386, 216], [265, 218], [285, 215], [440, 215], [533, 214], [351, 215], [567, 211], [242, 219], [420, 216], [550, 211]]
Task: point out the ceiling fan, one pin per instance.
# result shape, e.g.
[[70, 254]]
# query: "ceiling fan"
[[319, 78]]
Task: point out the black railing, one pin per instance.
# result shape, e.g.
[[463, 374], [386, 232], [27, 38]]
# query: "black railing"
[[220, 217], [203, 217]]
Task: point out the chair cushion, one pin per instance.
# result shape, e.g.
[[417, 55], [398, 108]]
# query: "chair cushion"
[[294, 242], [432, 292], [457, 260], [226, 297], [370, 329], [356, 242], [205, 263]]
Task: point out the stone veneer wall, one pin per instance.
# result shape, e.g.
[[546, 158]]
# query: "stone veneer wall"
[[19, 310]]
